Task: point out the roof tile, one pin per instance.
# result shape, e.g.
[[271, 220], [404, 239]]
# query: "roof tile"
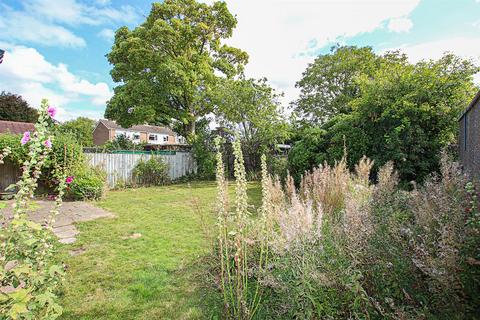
[[16, 127]]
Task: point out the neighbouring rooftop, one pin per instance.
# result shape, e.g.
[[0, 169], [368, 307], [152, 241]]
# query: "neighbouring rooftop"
[[140, 128], [15, 127]]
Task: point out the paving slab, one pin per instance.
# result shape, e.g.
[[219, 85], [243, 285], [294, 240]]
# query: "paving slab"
[[69, 214]]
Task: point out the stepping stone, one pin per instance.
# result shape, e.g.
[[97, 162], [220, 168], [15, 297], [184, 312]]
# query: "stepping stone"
[[67, 240], [66, 232], [69, 213], [78, 251], [132, 236]]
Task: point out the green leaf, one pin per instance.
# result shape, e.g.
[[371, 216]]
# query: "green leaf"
[[20, 295], [55, 269], [22, 269], [33, 225], [18, 309]]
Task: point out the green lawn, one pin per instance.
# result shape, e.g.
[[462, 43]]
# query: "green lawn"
[[155, 276]]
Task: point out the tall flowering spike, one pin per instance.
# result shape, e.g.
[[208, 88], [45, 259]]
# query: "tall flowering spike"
[[52, 111], [221, 183], [5, 153], [29, 245], [25, 138], [240, 177], [266, 197]]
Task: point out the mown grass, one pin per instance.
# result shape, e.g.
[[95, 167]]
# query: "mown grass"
[[155, 276]]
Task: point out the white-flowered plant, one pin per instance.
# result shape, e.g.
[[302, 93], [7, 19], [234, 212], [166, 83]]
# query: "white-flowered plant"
[[29, 279], [237, 239]]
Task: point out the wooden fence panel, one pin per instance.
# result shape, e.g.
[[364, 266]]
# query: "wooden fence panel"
[[9, 174], [119, 167]]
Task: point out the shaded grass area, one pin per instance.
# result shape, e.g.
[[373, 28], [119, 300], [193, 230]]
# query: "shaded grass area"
[[154, 276]]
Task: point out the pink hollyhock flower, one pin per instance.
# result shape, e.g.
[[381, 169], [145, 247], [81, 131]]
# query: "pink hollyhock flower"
[[69, 179], [25, 138], [52, 111], [48, 143]]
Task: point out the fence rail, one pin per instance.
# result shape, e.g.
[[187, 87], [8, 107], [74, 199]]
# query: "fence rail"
[[119, 167]]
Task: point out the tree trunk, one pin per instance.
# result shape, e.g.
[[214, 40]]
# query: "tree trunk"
[[190, 130]]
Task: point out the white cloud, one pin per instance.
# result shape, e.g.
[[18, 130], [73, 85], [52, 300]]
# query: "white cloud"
[[103, 2], [26, 72], [282, 36], [400, 24], [49, 22], [467, 47], [24, 27], [73, 12], [107, 34]]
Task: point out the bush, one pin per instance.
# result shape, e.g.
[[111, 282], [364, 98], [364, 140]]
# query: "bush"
[[12, 141], [151, 172], [342, 248], [203, 151], [88, 184], [122, 143]]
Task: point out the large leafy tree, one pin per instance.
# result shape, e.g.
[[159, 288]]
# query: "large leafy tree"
[[168, 66], [402, 113], [81, 129], [251, 108], [329, 83], [14, 108]]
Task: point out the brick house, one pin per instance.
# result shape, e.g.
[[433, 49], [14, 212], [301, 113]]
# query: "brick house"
[[107, 130], [14, 127], [469, 138]]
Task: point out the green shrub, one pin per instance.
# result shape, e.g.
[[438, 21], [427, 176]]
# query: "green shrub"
[[19, 152], [67, 151], [122, 143], [88, 184], [151, 172], [203, 151]]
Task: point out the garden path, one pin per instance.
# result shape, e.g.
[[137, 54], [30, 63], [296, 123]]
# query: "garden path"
[[69, 213]]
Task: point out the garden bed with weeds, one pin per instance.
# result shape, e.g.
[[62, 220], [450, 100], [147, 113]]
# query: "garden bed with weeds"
[[339, 247]]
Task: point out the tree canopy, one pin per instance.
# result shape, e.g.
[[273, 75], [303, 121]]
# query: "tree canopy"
[[251, 109], [81, 129], [405, 113], [168, 66], [14, 108], [329, 83]]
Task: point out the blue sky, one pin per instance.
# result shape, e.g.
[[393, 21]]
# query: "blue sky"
[[56, 48]]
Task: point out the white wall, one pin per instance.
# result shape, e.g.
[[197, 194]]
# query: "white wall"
[[128, 134], [159, 140]]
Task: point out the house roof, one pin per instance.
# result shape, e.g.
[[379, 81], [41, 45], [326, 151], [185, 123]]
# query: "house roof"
[[15, 127], [141, 128], [471, 105]]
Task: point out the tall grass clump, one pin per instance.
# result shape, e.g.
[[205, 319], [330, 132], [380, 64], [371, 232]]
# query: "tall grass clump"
[[341, 247]]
